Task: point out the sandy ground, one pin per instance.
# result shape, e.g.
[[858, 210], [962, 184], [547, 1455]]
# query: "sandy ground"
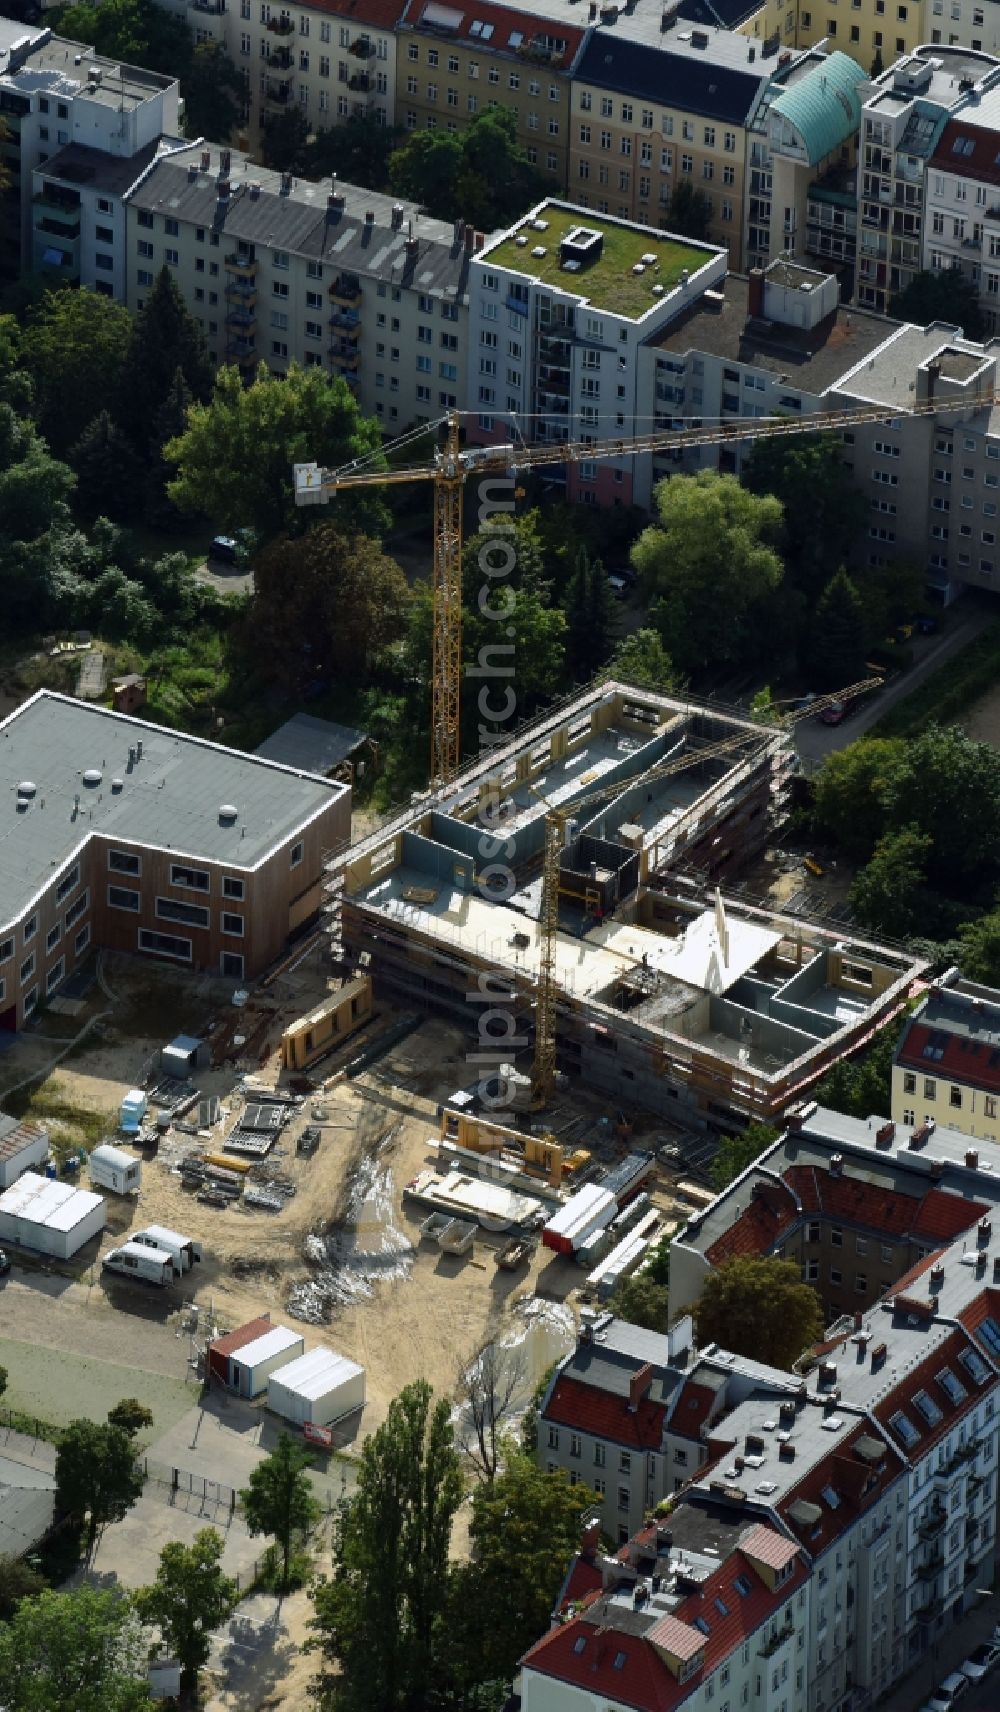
[[983, 719]]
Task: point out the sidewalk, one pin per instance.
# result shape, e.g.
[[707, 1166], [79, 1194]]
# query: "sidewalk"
[[950, 1649]]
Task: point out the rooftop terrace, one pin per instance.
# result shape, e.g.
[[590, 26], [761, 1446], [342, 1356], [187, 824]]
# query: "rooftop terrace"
[[609, 282]]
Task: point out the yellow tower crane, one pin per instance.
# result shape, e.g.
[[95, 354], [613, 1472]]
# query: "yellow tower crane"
[[453, 463]]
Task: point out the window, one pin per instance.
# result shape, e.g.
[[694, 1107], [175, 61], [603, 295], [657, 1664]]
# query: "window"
[[233, 887], [173, 909], [837, 1237], [599, 1456], [298, 852], [553, 1438], [574, 1444], [955, 1096], [6, 950], [835, 1276], [82, 940], [120, 897], [624, 1498], [194, 879], [55, 975], [27, 969], [232, 964], [625, 1462], [123, 862], [909, 1083], [165, 945], [232, 924], [53, 937]]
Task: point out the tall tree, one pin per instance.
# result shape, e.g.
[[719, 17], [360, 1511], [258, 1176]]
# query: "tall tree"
[[213, 94], [710, 560], [944, 296], [97, 1477], [189, 1598], [165, 339], [378, 1619], [862, 1084], [590, 616], [326, 603], [736, 1152], [279, 1499], [525, 1527], [838, 633], [488, 1391], [886, 895], [78, 1651], [234, 460], [137, 31], [643, 1302], [759, 1307], [132, 1416], [981, 948], [284, 148], [823, 511], [168, 422], [641, 659], [948, 787], [481, 174], [74, 350], [109, 474], [851, 790], [689, 211], [18, 1580], [357, 152]]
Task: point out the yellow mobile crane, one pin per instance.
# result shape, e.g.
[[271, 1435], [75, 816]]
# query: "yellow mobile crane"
[[453, 463]]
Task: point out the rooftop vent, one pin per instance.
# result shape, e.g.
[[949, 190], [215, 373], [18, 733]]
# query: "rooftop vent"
[[27, 788], [206, 159], [93, 776], [538, 250], [397, 216], [117, 784], [521, 241], [225, 161], [972, 1159], [699, 38], [228, 813], [581, 244], [286, 184], [254, 189], [837, 1165]]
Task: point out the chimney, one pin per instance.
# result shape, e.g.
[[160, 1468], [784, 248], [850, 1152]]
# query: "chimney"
[[206, 160], [753, 53], [937, 1279], [225, 161], [755, 292], [885, 1136], [933, 376], [369, 216], [397, 216], [859, 1319], [590, 1534], [223, 188], [972, 1159], [638, 1386], [996, 1269], [469, 236], [837, 1165], [786, 1451], [984, 1232], [479, 240]]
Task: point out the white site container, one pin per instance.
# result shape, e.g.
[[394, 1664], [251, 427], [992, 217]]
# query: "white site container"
[[183, 1249], [138, 1260], [22, 1146], [251, 1365], [116, 1169], [50, 1217], [319, 1388]]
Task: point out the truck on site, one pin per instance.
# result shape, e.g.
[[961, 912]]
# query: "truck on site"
[[183, 1251], [141, 1261]]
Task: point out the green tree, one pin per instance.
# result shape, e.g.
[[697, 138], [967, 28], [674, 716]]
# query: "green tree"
[[862, 1085], [17, 1581], [378, 1618], [837, 635], [357, 152], [327, 603], [74, 350], [120, 609], [109, 474], [234, 459], [981, 948], [759, 1307], [136, 31], [643, 1302], [132, 1416], [279, 1499], [97, 1477], [213, 94], [850, 793], [481, 175], [165, 341], [737, 1152], [823, 511], [886, 895], [642, 660], [286, 140], [168, 422], [590, 616], [689, 211], [189, 1598], [948, 786], [79, 1651], [946, 296], [657, 1266], [710, 563], [525, 1527]]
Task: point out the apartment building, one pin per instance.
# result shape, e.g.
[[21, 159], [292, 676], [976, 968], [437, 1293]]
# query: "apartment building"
[[280, 270], [57, 95], [127, 836], [453, 63], [652, 110], [902, 121], [962, 223], [561, 307], [946, 1068]]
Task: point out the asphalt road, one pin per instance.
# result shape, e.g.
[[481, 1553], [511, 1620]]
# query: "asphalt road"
[[814, 741]]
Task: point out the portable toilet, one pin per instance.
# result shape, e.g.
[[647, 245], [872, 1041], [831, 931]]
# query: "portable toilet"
[[133, 1110]]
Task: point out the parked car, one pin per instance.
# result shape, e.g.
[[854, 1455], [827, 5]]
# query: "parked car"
[[4, 1263], [225, 550], [835, 713], [619, 587], [980, 1661], [949, 1692]]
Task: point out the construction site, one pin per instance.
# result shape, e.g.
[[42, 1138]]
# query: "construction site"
[[621, 819]]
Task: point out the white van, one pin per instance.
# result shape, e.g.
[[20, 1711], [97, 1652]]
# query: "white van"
[[185, 1252], [137, 1260]]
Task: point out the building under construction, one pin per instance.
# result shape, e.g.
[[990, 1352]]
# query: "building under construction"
[[671, 996]]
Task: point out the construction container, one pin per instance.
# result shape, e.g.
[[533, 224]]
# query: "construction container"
[[22, 1147], [251, 1365], [115, 1169], [222, 1349], [184, 1251], [133, 1111], [318, 1389], [48, 1216], [136, 1260], [184, 1056], [625, 1257], [585, 1212]]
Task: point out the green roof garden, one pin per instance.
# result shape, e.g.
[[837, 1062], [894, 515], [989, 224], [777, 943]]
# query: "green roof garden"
[[609, 282]]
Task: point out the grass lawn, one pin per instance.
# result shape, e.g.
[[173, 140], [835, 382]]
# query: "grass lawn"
[[608, 283], [57, 1387]]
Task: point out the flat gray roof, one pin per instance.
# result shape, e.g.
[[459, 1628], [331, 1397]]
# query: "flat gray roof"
[[304, 741], [170, 799]]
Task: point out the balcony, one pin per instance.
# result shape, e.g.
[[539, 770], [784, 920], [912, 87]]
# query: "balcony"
[[927, 1570], [769, 1647], [932, 1524], [347, 323], [241, 350], [346, 290], [362, 48], [345, 356], [278, 94], [281, 27], [930, 1612], [215, 8], [241, 292], [360, 82], [280, 60], [240, 317], [241, 266]]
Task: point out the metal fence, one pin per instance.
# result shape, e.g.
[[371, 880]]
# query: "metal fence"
[[192, 1492]]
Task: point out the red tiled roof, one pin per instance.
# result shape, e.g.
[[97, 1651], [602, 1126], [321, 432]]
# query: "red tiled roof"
[[847, 1475], [983, 1307], [981, 164], [367, 14], [676, 1637], [939, 1215], [505, 23], [770, 1548], [973, 1062], [922, 1378], [917, 1272], [588, 1409], [643, 1680], [691, 1409], [583, 1578], [232, 1341]]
